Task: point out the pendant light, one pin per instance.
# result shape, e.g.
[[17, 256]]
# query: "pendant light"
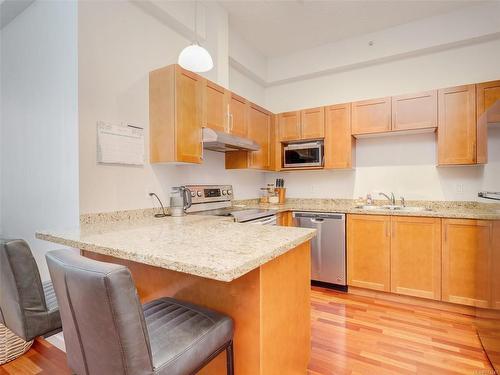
[[194, 57]]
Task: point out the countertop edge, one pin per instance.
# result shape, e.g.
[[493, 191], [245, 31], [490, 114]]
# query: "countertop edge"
[[219, 275]]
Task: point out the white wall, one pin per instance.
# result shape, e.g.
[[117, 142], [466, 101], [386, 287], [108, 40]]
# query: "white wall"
[[39, 143], [119, 44], [245, 86], [403, 164]]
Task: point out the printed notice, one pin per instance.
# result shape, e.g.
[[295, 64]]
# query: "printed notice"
[[120, 144]]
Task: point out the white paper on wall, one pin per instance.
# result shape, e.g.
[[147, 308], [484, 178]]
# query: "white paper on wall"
[[120, 144]]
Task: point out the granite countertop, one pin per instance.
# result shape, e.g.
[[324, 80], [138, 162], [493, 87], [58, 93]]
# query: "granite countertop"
[[211, 247], [442, 209]]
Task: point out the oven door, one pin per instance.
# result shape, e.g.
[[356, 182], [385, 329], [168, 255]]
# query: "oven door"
[[297, 155]]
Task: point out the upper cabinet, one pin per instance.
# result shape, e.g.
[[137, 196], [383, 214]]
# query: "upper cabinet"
[[339, 143], [371, 116], [488, 93], [289, 126], [238, 115], [457, 141], [302, 125], [175, 115], [415, 111], [259, 129], [216, 111], [313, 123]]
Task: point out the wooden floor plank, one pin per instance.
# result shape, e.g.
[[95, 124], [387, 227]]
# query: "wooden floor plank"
[[351, 335]]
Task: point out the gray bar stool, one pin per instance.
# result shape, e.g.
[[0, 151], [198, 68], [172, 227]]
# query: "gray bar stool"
[[107, 331], [28, 307]]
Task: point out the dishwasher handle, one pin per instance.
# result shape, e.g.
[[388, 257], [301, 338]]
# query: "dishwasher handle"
[[318, 215]]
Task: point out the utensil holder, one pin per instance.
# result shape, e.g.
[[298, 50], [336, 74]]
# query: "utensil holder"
[[281, 195]]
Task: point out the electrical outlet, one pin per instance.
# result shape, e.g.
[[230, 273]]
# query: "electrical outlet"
[[459, 188]]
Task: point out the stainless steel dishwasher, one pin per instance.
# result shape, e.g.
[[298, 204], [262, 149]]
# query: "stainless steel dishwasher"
[[328, 250]]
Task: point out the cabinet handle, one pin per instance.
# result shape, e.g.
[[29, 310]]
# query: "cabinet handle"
[[202, 148]]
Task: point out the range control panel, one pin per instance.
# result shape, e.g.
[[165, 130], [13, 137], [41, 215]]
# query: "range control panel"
[[210, 193]]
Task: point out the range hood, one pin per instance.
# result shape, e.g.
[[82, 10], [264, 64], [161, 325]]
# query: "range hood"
[[222, 142]]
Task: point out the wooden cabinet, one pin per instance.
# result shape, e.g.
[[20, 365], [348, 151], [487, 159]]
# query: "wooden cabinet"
[[488, 93], [215, 104], [260, 131], [238, 115], [284, 219], [496, 266], [371, 116], [457, 125], [416, 256], [368, 251], [175, 114], [302, 125], [289, 126], [415, 111], [339, 143], [313, 123], [467, 259]]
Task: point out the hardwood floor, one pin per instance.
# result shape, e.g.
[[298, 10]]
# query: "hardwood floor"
[[360, 335], [351, 335], [43, 358]]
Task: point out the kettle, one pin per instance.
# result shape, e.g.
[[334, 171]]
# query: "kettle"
[[180, 200]]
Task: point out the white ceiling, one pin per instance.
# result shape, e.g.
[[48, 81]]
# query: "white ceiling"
[[277, 28], [10, 9]]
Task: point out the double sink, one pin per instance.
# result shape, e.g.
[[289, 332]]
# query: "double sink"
[[391, 207]]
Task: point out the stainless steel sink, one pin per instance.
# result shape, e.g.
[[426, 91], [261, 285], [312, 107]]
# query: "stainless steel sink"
[[393, 208]]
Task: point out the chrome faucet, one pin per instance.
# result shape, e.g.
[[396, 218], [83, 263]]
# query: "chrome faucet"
[[391, 199]]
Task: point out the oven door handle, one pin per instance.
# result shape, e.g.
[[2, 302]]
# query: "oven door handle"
[[267, 221]]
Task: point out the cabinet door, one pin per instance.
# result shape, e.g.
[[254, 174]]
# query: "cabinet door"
[[188, 91], [289, 126], [216, 107], [339, 143], [416, 256], [238, 121], [259, 130], [487, 94], [466, 262], [416, 111], [371, 116], [457, 125], [313, 123], [496, 265], [368, 251]]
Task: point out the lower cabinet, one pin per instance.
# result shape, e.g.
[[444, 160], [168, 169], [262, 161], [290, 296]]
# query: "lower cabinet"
[[395, 254], [495, 303], [467, 262], [369, 251], [416, 256], [284, 219]]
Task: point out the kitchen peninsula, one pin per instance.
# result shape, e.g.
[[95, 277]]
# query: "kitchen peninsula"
[[258, 275]]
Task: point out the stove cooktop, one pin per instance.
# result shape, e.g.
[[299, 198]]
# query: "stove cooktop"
[[240, 214]]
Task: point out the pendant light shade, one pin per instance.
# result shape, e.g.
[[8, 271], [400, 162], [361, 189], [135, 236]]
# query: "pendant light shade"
[[196, 59]]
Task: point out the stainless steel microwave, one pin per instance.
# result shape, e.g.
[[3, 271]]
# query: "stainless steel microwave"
[[307, 154]]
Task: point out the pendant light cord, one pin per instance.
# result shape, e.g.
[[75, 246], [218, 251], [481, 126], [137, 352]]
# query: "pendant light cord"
[[196, 21]]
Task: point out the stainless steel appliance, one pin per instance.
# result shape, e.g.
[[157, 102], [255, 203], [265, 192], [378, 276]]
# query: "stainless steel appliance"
[[328, 250], [221, 141], [304, 154], [217, 200]]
